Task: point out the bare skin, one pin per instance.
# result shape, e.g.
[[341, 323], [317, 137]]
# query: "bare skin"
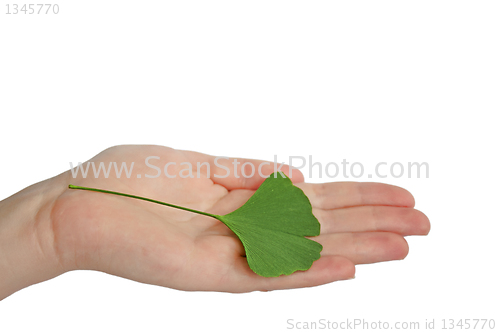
[[48, 229]]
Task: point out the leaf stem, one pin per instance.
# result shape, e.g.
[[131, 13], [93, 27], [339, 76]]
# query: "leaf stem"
[[144, 199]]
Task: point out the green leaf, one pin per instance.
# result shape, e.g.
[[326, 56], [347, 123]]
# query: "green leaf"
[[272, 226]]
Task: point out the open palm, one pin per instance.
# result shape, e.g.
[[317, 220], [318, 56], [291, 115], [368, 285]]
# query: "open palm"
[[150, 243]]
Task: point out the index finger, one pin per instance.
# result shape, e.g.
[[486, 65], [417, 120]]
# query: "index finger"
[[244, 173], [336, 195]]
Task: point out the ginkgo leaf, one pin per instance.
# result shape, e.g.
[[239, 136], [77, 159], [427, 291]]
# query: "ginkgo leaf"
[[272, 226]]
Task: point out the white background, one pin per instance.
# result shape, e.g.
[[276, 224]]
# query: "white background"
[[365, 81]]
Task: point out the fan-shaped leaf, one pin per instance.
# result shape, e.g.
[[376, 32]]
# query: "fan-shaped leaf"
[[272, 226]]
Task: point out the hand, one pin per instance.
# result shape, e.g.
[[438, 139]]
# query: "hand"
[[360, 223]]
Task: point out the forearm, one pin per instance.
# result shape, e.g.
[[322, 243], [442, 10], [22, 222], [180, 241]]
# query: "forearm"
[[27, 251]]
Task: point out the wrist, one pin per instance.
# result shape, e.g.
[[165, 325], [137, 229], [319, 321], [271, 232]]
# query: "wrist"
[[27, 249]]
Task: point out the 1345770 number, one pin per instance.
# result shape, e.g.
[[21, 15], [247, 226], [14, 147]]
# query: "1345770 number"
[[32, 9]]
